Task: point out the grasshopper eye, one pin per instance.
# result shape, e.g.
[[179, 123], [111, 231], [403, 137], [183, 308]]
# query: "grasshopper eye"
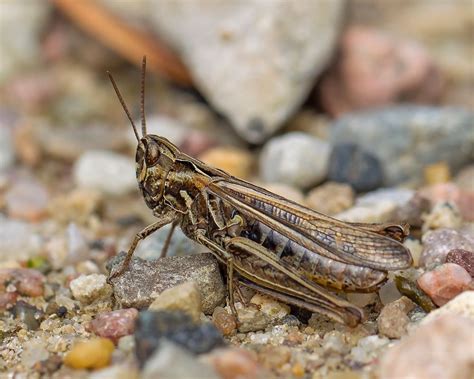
[[139, 155], [152, 155]]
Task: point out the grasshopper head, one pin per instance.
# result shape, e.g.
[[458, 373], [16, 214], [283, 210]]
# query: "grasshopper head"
[[154, 156]]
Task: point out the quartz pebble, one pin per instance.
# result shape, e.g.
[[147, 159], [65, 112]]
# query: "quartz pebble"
[[184, 297], [330, 198], [170, 361], [104, 171], [115, 324], [367, 349], [463, 258], [88, 288], [297, 159], [117, 371], [76, 206], [34, 352], [235, 162], [153, 327], [92, 354], [450, 353], [233, 363], [140, 284], [224, 321], [393, 320], [443, 215], [438, 243], [334, 343], [445, 282]]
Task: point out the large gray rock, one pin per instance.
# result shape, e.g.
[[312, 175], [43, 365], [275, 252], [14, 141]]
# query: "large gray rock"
[[256, 60], [407, 138], [144, 280]]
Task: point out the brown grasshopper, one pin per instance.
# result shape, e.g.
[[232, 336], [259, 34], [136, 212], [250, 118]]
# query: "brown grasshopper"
[[268, 243]]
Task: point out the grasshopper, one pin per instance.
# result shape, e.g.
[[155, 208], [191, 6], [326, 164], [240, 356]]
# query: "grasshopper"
[[266, 242]]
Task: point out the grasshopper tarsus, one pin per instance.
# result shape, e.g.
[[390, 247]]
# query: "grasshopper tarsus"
[[273, 245]]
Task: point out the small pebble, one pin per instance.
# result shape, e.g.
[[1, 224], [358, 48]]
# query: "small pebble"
[[352, 165], [27, 282], [34, 352], [463, 258], [464, 180], [445, 282], [393, 320], [106, 172], [115, 324], [331, 198], [442, 348], [224, 321], [28, 314], [234, 363], [88, 288], [236, 162], [153, 327], [117, 371], [295, 158], [18, 239], [91, 354], [7, 149], [184, 297]]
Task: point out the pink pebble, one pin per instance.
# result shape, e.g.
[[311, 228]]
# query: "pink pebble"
[[445, 282], [114, 324]]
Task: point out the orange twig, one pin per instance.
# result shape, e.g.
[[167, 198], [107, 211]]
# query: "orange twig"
[[129, 42]]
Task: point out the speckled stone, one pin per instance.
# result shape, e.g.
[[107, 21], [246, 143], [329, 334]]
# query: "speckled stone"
[[393, 320], [115, 324], [145, 280], [463, 258], [88, 288]]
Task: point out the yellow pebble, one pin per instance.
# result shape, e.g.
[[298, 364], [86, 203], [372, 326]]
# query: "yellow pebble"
[[236, 162], [91, 354], [297, 370], [437, 173]]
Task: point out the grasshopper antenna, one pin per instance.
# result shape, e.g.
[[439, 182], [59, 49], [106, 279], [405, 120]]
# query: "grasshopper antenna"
[[142, 102], [124, 106]]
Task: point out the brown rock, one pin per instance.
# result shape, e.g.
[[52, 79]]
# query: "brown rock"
[[331, 198], [27, 199], [224, 321], [393, 320], [445, 282], [115, 324], [374, 68], [235, 364], [463, 258], [441, 349]]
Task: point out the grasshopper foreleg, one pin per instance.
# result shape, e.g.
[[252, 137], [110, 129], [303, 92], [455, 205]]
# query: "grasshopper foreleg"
[[138, 237]]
